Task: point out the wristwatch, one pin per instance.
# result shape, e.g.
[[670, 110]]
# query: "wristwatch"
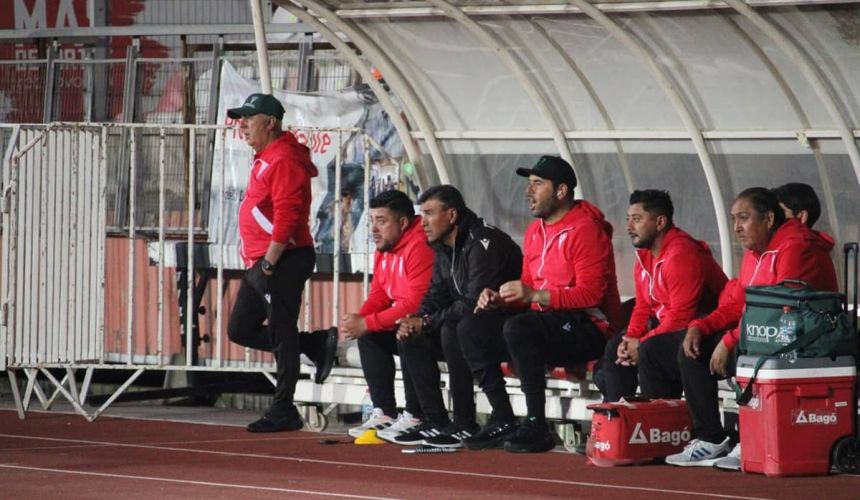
[[267, 266], [426, 322]]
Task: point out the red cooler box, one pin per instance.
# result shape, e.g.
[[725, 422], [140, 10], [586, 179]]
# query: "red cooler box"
[[635, 432], [796, 413]]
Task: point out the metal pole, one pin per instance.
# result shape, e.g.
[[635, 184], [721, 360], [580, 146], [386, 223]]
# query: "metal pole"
[[220, 239], [132, 190], [365, 279], [189, 305], [336, 229], [262, 51], [161, 209]]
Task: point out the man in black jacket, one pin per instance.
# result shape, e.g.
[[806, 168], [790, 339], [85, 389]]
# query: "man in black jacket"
[[470, 256]]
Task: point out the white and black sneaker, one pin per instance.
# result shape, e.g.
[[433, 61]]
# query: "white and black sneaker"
[[452, 436], [405, 422], [699, 454], [378, 421], [418, 434]]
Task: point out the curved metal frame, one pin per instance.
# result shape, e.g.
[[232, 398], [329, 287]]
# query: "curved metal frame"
[[804, 64], [686, 117], [801, 115], [357, 64], [411, 102], [527, 82], [589, 89]]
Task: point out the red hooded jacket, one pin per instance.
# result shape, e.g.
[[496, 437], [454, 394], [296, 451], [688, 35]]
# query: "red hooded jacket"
[[574, 260], [794, 252], [674, 287], [277, 202], [401, 277]]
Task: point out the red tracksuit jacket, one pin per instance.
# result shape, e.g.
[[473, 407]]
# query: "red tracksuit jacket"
[[400, 279], [794, 252], [277, 202], [574, 260], [674, 287]]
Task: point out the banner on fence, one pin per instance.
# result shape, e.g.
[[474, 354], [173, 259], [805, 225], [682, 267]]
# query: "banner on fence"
[[356, 107]]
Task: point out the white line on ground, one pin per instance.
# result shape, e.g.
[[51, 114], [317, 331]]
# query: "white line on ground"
[[184, 481], [392, 467]]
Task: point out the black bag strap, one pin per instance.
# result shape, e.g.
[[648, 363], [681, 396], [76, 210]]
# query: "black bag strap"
[[743, 397], [791, 281]]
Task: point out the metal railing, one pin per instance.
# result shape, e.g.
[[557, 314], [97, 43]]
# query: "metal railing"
[[74, 297]]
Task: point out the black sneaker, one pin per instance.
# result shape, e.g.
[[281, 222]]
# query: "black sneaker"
[[533, 436], [326, 361], [452, 436], [277, 422], [418, 434], [492, 435]]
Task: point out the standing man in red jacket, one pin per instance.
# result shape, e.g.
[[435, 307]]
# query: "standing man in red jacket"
[[402, 268], [277, 248], [568, 281], [775, 249], [677, 279]]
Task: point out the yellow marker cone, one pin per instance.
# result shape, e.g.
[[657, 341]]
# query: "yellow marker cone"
[[368, 437]]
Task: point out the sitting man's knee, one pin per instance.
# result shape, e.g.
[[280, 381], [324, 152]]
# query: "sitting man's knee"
[[519, 328]]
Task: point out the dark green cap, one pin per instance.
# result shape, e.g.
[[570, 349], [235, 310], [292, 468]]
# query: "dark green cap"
[[257, 104]]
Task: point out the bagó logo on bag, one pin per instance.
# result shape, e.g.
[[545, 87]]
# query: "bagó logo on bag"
[[657, 436], [761, 333]]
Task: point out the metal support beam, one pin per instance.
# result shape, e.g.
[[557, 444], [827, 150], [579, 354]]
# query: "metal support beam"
[[50, 84], [355, 61], [782, 83], [528, 83], [589, 89], [806, 67], [402, 88], [684, 113], [262, 48]]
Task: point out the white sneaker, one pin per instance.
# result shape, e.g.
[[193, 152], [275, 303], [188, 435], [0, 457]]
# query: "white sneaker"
[[699, 454], [405, 422], [732, 461], [378, 420]]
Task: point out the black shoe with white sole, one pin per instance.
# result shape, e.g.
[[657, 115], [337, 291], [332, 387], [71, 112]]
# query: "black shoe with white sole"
[[492, 435], [418, 434], [452, 436]]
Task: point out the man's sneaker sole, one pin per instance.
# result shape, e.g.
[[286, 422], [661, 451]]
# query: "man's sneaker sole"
[[427, 442], [496, 442], [529, 448], [492, 444], [411, 442], [358, 431], [709, 462]]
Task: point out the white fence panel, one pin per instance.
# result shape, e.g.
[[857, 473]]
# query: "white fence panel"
[[53, 248]]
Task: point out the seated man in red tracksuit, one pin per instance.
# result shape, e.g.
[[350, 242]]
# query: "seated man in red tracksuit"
[[402, 267], [677, 279], [568, 282], [775, 249]]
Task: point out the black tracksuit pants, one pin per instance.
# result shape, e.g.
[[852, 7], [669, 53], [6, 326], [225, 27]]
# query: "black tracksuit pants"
[[533, 340], [422, 352], [657, 374], [700, 390], [377, 351], [276, 298]]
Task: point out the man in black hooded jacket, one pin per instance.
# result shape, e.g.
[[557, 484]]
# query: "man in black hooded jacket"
[[470, 255]]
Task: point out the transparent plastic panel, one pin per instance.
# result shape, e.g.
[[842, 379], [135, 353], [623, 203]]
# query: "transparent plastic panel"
[[607, 177], [727, 79], [825, 167], [463, 84], [828, 35]]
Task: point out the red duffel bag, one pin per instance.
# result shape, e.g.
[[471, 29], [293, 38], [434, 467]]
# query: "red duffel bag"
[[635, 432]]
